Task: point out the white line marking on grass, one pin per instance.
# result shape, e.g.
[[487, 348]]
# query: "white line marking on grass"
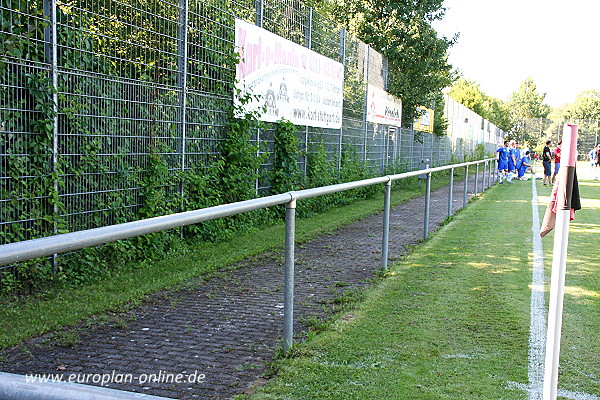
[[537, 327], [567, 394]]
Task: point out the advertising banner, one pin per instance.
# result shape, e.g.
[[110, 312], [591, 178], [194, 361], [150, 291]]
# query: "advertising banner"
[[383, 108], [425, 122], [287, 80]]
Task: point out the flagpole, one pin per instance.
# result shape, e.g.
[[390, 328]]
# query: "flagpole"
[[559, 263]]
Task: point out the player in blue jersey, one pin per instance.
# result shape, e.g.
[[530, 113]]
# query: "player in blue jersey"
[[518, 155], [502, 160], [512, 161], [525, 165]]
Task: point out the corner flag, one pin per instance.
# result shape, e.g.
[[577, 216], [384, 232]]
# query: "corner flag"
[[564, 201], [565, 196]]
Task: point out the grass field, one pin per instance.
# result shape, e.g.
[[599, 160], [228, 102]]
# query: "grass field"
[[451, 321]]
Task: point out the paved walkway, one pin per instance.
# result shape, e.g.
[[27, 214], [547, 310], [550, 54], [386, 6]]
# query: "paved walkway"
[[222, 333]]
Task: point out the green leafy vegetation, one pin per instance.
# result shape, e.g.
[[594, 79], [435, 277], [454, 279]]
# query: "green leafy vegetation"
[[402, 32]]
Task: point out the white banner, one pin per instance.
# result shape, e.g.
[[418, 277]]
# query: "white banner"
[[383, 107], [291, 81]]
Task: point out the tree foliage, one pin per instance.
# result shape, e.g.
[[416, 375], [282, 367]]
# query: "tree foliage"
[[469, 94], [585, 107], [525, 104], [401, 31]]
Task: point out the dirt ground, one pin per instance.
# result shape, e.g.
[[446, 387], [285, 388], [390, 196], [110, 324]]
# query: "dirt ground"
[[220, 334]]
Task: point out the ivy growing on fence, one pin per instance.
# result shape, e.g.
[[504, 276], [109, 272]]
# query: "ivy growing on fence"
[[120, 135]]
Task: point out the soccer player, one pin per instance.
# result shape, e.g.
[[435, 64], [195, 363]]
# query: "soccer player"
[[502, 160], [546, 160], [597, 161], [512, 164], [517, 154], [592, 157], [556, 161], [525, 165]]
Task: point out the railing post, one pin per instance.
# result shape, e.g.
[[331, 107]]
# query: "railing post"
[[483, 186], [476, 179], [288, 296], [450, 192], [466, 186], [427, 201], [386, 226]]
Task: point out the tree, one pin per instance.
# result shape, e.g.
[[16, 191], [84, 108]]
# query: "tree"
[[498, 113], [585, 107], [585, 112], [471, 96], [401, 31], [527, 104]]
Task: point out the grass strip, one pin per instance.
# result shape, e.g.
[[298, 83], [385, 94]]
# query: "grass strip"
[[451, 321], [53, 309]]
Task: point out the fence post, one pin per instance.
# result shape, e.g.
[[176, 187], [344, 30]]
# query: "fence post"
[[51, 54], [258, 18], [182, 61], [386, 226], [466, 186], [343, 61], [257, 171], [308, 29], [427, 201], [366, 104], [288, 296], [450, 192], [306, 150]]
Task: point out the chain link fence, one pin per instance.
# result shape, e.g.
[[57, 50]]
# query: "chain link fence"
[[93, 93]]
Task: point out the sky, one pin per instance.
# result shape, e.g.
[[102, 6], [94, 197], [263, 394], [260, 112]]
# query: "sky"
[[503, 42]]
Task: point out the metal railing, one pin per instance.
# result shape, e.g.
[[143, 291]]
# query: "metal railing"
[[20, 251], [19, 387]]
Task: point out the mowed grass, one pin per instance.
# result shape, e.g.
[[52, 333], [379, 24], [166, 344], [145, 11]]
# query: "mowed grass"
[[580, 345], [105, 299], [451, 321]]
